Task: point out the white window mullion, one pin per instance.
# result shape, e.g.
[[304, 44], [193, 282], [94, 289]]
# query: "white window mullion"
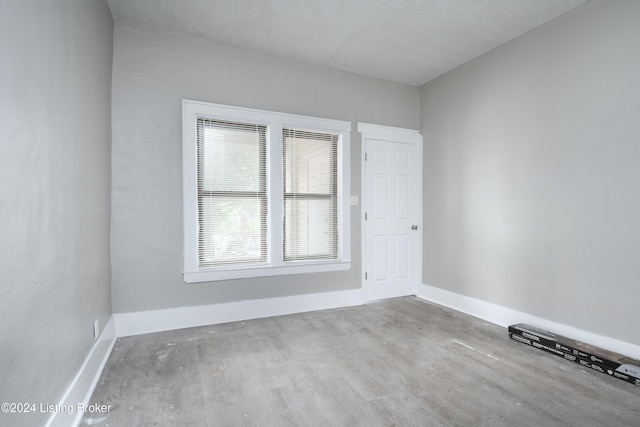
[[344, 183], [276, 202]]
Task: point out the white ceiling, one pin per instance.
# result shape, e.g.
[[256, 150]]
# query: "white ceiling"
[[404, 41]]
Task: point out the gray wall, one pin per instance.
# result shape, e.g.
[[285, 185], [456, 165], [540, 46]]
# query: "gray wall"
[[152, 73], [532, 173], [55, 133]]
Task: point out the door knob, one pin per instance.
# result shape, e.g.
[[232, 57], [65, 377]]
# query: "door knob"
[[414, 227]]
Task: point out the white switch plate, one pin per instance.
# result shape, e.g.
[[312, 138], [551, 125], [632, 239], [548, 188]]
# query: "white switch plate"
[[354, 200]]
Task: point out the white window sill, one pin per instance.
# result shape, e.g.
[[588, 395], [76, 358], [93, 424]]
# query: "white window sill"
[[212, 274]]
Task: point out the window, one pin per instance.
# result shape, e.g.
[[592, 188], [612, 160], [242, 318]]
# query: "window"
[[310, 195], [232, 194], [264, 193]]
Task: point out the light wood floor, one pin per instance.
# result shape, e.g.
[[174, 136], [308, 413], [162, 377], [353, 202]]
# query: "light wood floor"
[[400, 362]]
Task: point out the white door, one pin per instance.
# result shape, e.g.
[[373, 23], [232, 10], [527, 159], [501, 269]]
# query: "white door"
[[392, 206]]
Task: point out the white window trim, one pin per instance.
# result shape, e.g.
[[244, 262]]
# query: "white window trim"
[[275, 265]]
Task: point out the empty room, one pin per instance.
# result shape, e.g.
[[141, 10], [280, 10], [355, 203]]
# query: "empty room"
[[319, 213]]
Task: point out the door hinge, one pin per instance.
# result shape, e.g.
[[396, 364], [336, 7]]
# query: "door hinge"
[[365, 216], [366, 275], [365, 157]]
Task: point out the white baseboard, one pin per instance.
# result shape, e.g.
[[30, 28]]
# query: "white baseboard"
[[82, 386], [144, 322], [504, 316]]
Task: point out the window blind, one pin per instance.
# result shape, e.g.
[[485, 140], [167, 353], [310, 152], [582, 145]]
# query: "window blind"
[[310, 195], [232, 196]]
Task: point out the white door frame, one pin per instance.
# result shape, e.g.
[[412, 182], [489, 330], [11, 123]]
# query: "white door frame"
[[386, 133]]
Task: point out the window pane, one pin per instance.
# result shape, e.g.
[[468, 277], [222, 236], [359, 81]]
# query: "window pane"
[[231, 230], [231, 156], [309, 162], [310, 229]]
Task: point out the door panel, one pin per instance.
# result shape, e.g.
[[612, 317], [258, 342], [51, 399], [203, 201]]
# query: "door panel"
[[402, 196], [381, 202], [380, 254], [402, 256]]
